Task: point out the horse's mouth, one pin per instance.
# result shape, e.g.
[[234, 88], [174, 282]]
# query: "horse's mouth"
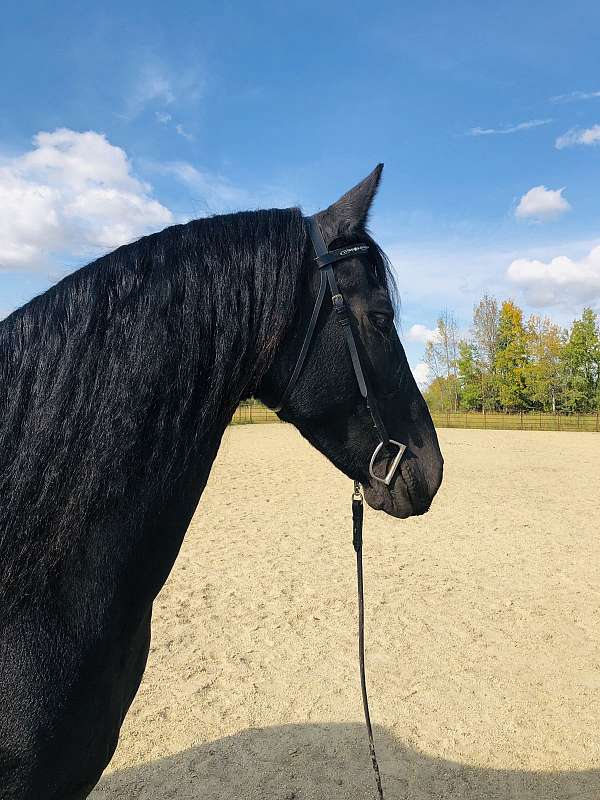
[[404, 498]]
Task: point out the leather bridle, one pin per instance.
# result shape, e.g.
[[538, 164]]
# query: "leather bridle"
[[325, 260]]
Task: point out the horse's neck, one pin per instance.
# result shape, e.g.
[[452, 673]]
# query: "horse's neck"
[[142, 550], [121, 501], [154, 540]]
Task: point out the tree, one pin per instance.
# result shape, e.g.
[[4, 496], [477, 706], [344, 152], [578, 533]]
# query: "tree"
[[470, 377], [543, 371], [436, 395], [484, 333], [580, 361], [505, 363], [485, 330], [511, 357], [441, 355]]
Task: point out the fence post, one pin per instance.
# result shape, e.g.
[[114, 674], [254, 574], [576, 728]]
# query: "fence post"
[[484, 419], [597, 415], [521, 413]]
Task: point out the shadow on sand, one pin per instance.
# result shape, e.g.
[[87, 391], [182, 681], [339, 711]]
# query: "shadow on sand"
[[330, 762]]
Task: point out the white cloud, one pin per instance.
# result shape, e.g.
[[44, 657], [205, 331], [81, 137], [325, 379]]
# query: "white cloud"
[[182, 132], [215, 194], [162, 88], [572, 97], [164, 118], [455, 272], [578, 136], [423, 375], [420, 333], [562, 281], [151, 87], [542, 204], [73, 192], [522, 126]]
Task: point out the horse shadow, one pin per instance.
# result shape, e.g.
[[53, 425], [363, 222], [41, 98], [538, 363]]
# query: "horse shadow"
[[330, 762]]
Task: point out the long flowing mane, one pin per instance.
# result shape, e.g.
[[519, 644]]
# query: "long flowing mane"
[[114, 378]]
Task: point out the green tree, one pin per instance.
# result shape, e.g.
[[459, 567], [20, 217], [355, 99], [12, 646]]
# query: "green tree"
[[470, 377], [511, 358], [580, 361], [543, 370], [436, 395]]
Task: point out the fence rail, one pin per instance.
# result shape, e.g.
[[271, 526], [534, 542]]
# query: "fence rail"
[[524, 421], [251, 413]]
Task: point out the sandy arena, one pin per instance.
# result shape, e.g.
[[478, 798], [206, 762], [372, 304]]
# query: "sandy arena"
[[483, 633]]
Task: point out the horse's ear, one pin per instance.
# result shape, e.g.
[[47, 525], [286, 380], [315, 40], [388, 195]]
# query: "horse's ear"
[[348, 215]]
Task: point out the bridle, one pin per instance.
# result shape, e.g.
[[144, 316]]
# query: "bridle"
[[325, 260]]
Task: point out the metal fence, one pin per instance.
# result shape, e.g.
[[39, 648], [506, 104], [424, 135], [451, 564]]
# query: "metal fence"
[[521, 420], [249, 413], [255, 412]]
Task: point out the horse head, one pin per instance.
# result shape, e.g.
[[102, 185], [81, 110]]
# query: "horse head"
[[323, 398]]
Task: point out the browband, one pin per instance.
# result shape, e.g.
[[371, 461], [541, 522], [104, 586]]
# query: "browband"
[[331, 256]]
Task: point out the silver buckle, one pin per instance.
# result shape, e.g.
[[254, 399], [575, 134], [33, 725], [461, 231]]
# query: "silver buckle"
[[392, 470]]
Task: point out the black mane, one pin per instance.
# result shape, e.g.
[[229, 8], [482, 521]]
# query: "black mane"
[[110, 380]]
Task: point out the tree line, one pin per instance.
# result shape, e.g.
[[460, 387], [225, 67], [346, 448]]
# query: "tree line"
[[511, 364]]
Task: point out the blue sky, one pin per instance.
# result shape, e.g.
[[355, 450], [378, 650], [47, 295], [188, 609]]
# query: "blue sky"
[[129, 116]]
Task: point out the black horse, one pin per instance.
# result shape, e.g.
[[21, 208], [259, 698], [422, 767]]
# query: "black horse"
[[116, 386]]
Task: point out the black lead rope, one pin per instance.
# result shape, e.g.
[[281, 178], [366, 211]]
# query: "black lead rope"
[[357, 524], [326, 259]]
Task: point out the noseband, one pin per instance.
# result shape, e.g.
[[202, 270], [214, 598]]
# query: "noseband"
[[325, 260]]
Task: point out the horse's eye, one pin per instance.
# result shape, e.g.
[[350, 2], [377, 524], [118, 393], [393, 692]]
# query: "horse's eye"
[[381, 321]]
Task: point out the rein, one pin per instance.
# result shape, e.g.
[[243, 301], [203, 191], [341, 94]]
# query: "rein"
[[325, 260], [357, 525]]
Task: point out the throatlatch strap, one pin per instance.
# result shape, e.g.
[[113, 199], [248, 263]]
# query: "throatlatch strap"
[[307, 340]]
